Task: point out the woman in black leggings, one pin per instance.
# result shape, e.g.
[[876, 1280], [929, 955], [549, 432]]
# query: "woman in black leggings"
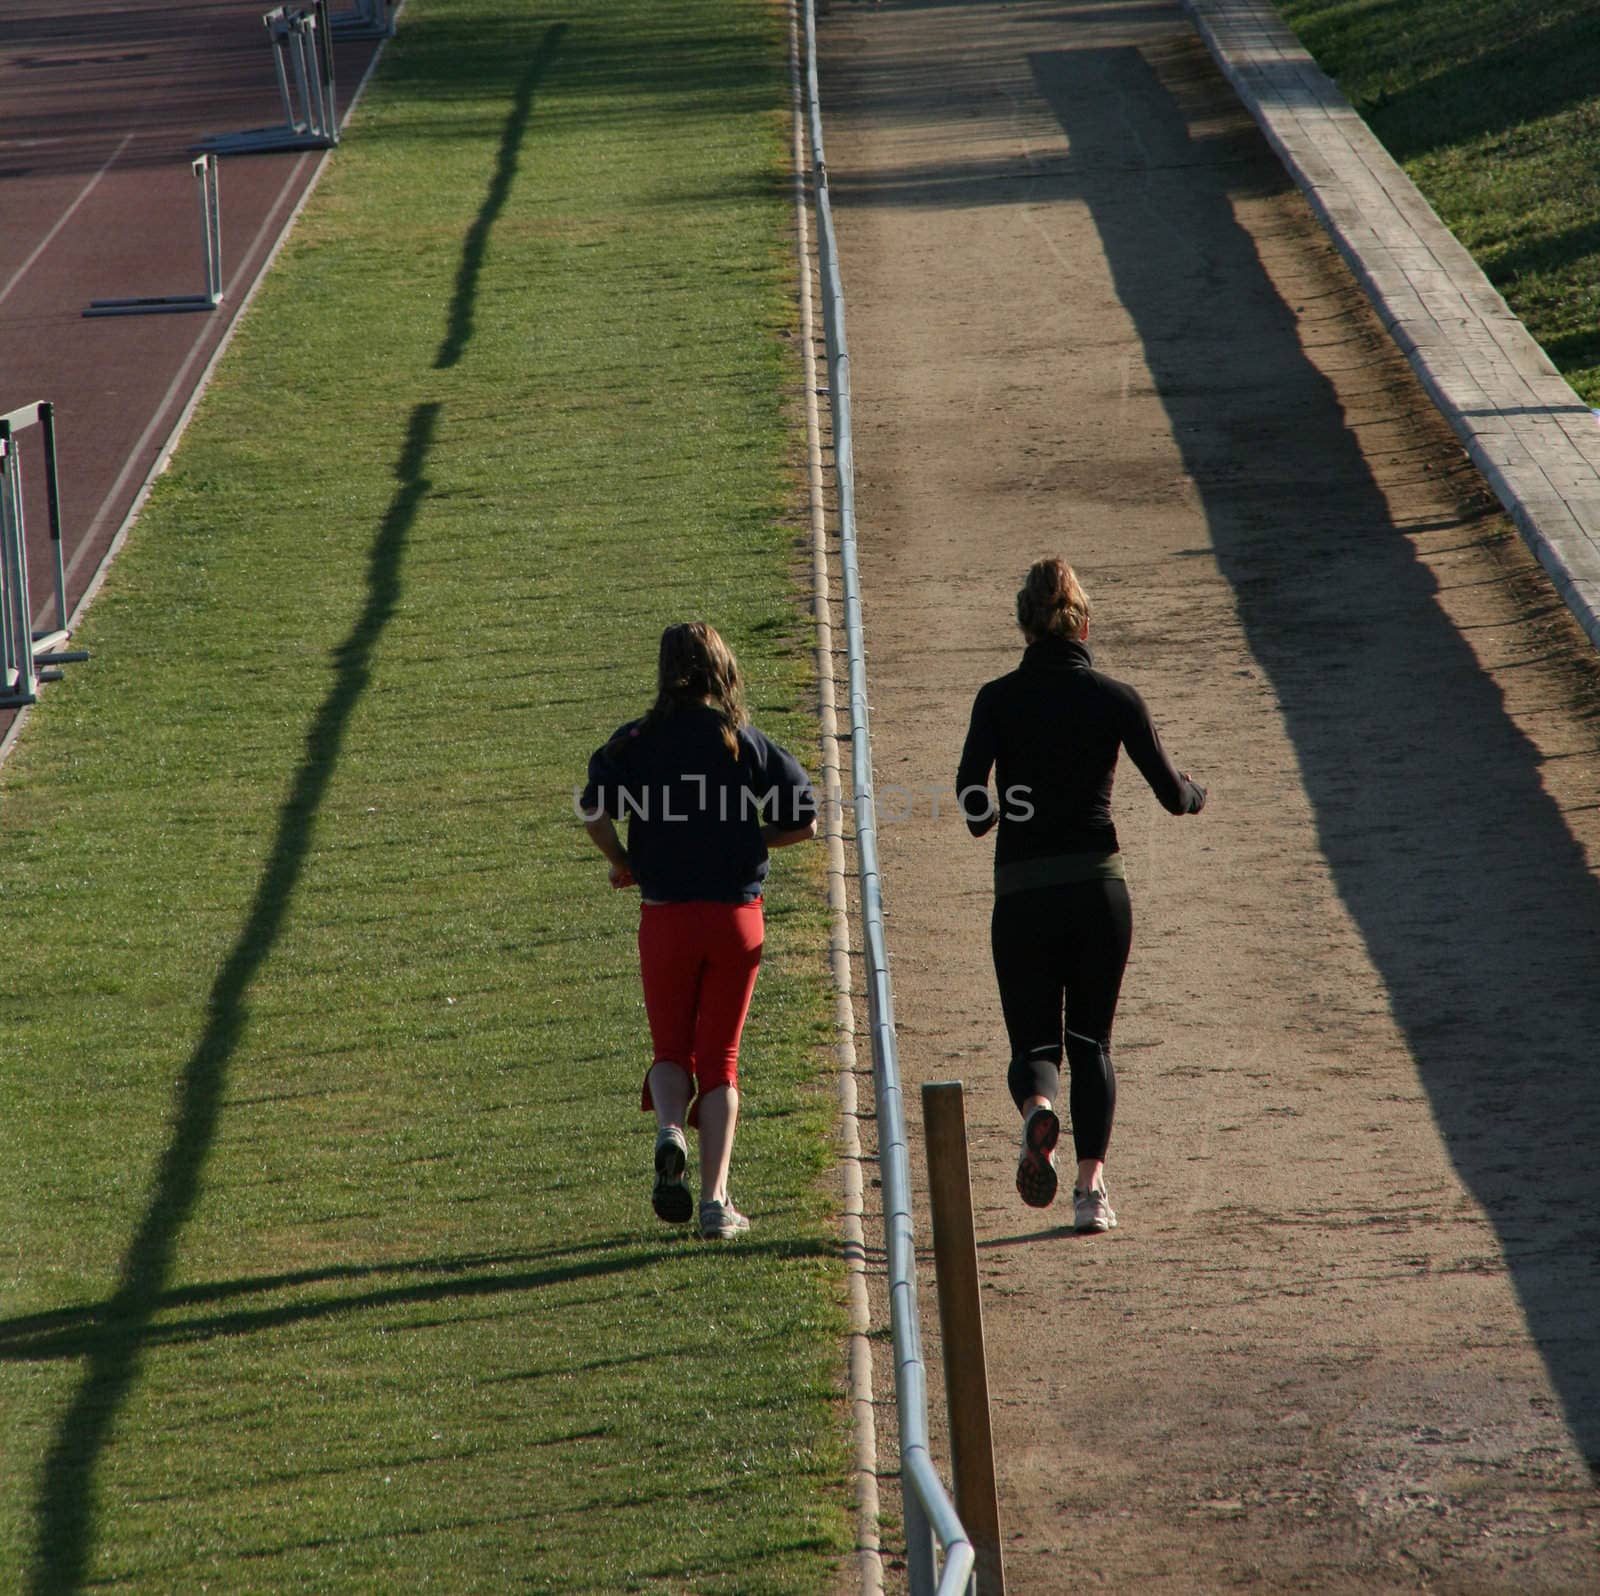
[[1062, 925]]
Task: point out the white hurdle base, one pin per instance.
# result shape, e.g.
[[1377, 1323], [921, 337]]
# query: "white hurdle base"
[[302, 55], [208, 185]]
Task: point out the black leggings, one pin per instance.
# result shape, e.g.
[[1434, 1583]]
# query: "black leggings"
[[1059, 954]]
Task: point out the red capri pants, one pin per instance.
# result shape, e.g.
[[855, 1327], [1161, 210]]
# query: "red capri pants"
[[699, 963]]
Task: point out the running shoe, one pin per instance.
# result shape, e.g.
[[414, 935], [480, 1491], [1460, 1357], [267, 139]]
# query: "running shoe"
[[721, 1221], [1036, 1168], [1092, 1213], [670, 1195]]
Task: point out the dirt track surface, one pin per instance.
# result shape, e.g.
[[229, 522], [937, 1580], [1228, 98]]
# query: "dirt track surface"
[[1345, 1338]]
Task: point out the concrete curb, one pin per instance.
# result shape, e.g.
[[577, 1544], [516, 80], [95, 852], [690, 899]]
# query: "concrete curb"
[[1534, 440]]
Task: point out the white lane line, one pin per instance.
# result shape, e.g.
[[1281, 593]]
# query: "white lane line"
[[242, 274], [255, 277], [65, 217]]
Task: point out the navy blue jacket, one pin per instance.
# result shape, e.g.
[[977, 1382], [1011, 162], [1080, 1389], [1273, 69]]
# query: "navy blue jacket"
[[693, 811]]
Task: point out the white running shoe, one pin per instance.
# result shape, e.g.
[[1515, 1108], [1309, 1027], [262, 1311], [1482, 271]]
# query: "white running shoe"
[[721, 1221], [1092, 1213]]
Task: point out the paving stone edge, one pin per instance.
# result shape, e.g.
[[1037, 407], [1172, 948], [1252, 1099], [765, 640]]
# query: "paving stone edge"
[[1532, 437]]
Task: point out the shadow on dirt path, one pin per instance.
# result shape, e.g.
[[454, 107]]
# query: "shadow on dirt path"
[[1344, 1337], [1474, 900]]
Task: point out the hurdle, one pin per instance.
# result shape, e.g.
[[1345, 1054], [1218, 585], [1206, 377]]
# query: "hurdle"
[[370, 19], [302, 56], [27, 657], [208, 185]]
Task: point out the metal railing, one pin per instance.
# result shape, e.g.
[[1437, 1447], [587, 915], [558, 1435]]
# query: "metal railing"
[[930, 1516]]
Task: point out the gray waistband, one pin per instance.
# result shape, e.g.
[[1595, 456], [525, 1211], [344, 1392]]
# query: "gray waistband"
[[1057, 870]]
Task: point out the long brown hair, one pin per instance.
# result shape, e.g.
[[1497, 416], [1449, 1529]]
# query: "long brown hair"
[[1052, 602], [697, 667]]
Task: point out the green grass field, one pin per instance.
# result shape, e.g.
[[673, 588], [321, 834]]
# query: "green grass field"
[[1493, 109], [326, 1257]]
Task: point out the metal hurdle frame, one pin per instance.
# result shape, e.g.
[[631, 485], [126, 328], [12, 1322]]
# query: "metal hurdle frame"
[[370, 19], [208, 185], [302, 56], [27, 657]]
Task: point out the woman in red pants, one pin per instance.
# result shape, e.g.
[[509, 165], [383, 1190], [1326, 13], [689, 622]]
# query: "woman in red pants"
[[704, 796]]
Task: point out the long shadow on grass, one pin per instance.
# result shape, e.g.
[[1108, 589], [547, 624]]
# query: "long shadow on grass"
[[1531, 79], [239, 1308], [465, 299], [64, 1508]]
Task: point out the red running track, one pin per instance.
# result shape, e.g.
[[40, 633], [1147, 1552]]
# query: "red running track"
[[103, 103]]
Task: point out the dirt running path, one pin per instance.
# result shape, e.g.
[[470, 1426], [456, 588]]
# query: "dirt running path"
[[1346, 1337]]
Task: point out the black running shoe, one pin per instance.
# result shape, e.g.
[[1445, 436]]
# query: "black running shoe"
[[1036, 1168], [670, 1195]]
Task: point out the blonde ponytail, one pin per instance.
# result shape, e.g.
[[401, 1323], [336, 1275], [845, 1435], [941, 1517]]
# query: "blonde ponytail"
[[1052, 602]]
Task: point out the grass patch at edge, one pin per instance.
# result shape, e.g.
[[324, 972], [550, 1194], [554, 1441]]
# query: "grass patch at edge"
[[1493, 109]]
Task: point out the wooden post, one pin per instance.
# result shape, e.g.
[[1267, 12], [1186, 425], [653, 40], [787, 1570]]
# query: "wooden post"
[[966, 1368]]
